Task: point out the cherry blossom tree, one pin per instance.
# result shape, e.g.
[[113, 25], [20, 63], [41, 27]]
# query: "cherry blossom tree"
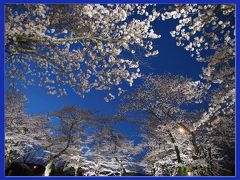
[[163, 97], [204, 27], [80, 46], [76, 158], [163, 152], [68, 133], [111, 152], [23, 133], [169, 149], [208, 32]]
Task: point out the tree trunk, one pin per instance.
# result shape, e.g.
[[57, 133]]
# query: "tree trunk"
[[192, 139], [169, 133], [123, 170], [175, 146], [76, 171], [48, 168], [194, 144], [7, 161], [154, 172], [96, 171], [210, 153], [175, 171]]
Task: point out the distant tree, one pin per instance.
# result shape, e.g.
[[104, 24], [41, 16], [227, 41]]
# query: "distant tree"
[[112, 153], [163, 98], [23, 133], [84, 46], [76, 158], [164, 95], [68, 132], [168, 149]]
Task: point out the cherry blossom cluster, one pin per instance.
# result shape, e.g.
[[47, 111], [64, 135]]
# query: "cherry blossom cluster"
[[81, 47], [202, 27]]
